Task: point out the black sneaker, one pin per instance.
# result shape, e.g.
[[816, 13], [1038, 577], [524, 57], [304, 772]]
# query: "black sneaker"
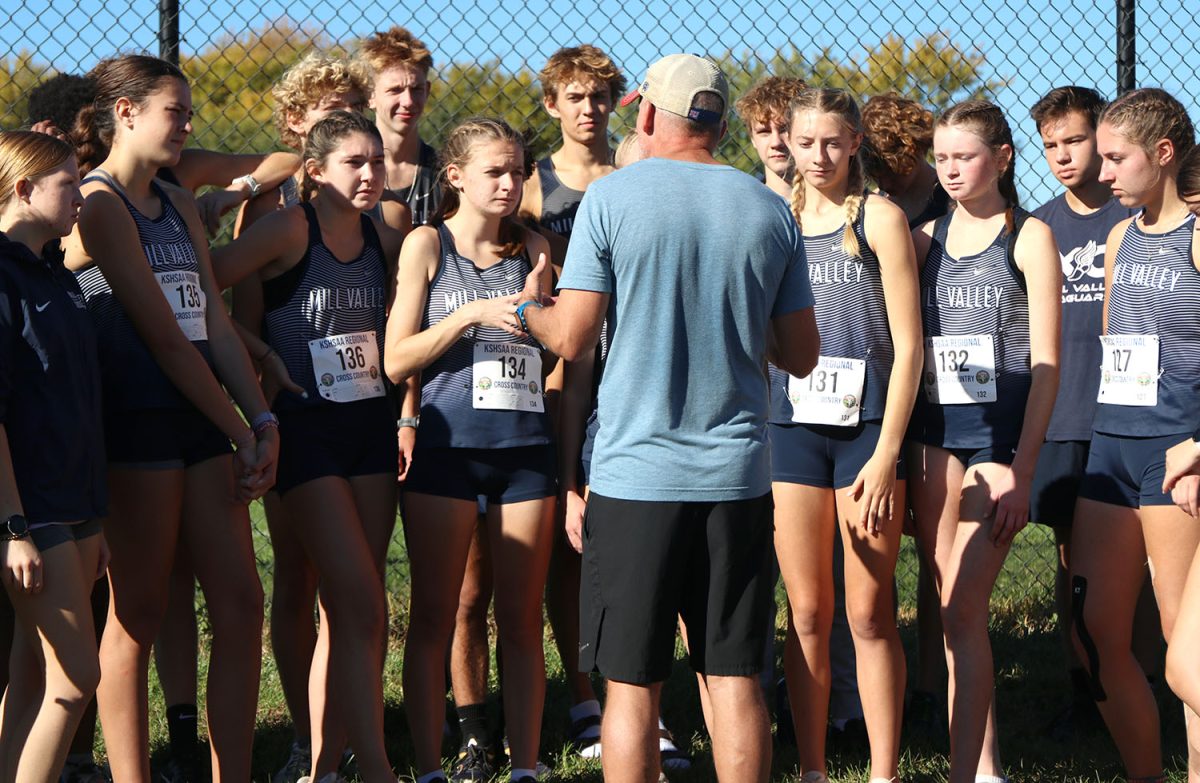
[[474, 764], [925, 715], [178, 770]]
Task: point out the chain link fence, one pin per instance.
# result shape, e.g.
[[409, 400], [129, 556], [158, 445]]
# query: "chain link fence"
[[487, 54]]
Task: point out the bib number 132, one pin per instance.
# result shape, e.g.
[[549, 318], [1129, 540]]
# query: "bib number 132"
[[960, 370]]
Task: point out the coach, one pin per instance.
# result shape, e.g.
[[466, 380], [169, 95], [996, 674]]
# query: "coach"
[[697, 267]]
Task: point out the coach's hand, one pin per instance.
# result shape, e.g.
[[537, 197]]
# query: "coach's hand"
[[574, 507]]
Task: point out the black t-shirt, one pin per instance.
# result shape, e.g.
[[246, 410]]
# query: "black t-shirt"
[[50, 388]]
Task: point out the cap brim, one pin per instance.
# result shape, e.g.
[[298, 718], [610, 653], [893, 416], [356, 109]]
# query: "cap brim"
[[631, 97]]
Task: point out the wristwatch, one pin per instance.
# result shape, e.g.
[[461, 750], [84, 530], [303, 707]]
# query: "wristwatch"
[[15, 528], [408, 421], [249, 181]]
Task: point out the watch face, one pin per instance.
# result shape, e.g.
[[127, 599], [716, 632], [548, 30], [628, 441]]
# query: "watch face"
[[17, 526]]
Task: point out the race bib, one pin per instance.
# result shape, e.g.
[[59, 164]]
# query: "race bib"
[[830, 394], [960, 370], [187, 300], [1129, 372], [507, 377], [346, 367]]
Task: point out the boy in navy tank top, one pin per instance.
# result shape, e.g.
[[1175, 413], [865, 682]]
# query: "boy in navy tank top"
[[579, 87], [1080, 218], [399, 65]]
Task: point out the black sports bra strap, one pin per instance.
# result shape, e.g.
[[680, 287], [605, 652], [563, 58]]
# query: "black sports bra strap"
[[314, 225]]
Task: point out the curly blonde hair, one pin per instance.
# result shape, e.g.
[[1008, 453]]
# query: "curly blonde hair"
[[307, 82], [898, 133], [842, 105], [396, 46], [769, 100], [575, 63]]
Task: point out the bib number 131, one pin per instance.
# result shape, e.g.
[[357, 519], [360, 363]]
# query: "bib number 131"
[[830, 394]]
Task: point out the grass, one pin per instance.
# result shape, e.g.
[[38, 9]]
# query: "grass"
[[1031, 690]]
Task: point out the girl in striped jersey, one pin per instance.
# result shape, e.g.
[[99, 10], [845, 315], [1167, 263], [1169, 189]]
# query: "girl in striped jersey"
[[325, 318], [990, 303], [308, 91], [836, 435], [1149, 400], [483, 432], [142, 261]]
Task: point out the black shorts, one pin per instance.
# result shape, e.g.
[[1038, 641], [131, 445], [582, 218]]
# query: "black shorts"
[[646, 562], [1128, 471], [49, 536], [511, 475], [1056, 481], [339, 439], [818, 455], [162, 439]]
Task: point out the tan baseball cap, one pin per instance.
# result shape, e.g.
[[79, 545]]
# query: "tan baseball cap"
[[673, 83]]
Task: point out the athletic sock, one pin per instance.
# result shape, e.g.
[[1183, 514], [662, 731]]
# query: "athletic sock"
[[518, 774], [584, 709], [429, 777], [473, 722], [182, 731], [990, 779]]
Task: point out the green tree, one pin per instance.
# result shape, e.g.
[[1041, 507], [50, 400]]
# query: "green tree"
[[231, 84], [933, 70], [18, 75]]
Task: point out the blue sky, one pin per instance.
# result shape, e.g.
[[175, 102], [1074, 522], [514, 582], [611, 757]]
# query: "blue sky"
[[1033, 50]]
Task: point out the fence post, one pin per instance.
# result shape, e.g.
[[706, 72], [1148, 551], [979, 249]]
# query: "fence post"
[[168, 30], [1126, 43]]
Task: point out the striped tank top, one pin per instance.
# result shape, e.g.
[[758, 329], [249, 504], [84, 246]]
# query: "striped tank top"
[[851, 318], [448, 418], [132, 378], [559, 203], [981, 294], [1155, 290], [321, 297]]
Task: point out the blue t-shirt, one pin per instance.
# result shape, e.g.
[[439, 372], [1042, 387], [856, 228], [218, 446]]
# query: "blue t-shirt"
[[697, 259], [1081, 242]]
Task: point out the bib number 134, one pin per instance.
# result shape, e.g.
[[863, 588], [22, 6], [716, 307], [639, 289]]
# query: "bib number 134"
[[505, 376]]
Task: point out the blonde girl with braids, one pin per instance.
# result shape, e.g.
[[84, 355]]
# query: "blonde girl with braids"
[[836, 434], [1124, 518], [990, 308], [483, 431], [170, 359]]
